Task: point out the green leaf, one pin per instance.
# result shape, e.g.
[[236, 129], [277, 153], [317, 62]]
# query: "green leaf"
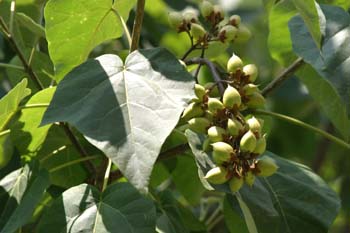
[[332, 62], [74, 28], [26, 133], [30, 24], [327, 96], [10, 102], [6, 150], [20, 192], [279, 41], [234, 221], [314, 21], [247, 213], [142, 102], [342, 3], [84, 209]]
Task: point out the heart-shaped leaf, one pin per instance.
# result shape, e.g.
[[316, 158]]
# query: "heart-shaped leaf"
[[125, 110], [120, 208]]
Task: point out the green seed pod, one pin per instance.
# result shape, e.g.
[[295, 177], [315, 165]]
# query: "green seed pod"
[[190, 16], [235, 20], [254, 125], [216, 133], [231, 97], [217, 175], [215, 105], [199, 124], [197, 31], [219, 11], [256, 100], [250, 88], [235, 184], [234, 127], [248, 142], [260, 146], [234, 63], [206, 9], [243, 34], [267, 166], [209, 115], [252, 71], [221, 152], [175, 19], [199, 90], [249, 178], [192, 110], [206, 145], [227, 33]]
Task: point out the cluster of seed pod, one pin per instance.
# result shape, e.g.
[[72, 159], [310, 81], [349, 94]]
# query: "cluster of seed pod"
[[234, 141], [221, 30]]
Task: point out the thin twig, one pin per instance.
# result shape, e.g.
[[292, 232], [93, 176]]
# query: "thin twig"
[[212, 68], [322, 149], [136, 31], [283, 76]]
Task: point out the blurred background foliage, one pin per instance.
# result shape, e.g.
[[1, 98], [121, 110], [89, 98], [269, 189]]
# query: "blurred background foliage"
[[269, 48]]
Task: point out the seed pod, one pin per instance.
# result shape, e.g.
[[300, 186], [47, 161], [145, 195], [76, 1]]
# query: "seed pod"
[[227, 33], [235, 20], [250, 88], [215, 105], [234, 127], [249, 178], [190, 16], [254, 125], [192, 110], [235, 184], [234, 63], [260, 146], [197, 31], [206, 9], [219, 12], [175, 19], [215, 133], [266, 166], [248, 142], [199, 124], [206, 145], [231, 97], [243, 34], [252, 71], [221, 152], [199, 90], [217, 175], [256, 100]]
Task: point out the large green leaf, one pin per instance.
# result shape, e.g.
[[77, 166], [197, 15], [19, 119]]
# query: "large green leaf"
[[327, 96], [125, 110], [84, 209], [333, 61], [313, 19], [10, 102], [20, 192], [74, 28]]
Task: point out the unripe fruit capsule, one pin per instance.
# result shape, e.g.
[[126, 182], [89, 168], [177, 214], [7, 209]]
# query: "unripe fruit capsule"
[[248, 142], [227, 33], [235, 20], [221, 152], [252, 71], [254, 125], [256, 100], [199, 124], [216, 133], [217, 175], [175, 19], [215, 105], [249, 178], [199, 90], [234, 63], [197, 31], [267, 166], [192, 110], [235, 184], [206, 9], [219, 11], [190, 16], [250, 88], [260, 146], [243, 34], [234, 127], [231, 97], [206, 145]]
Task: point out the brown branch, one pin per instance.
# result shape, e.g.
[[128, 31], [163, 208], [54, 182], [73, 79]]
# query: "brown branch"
[[212, 68], [89, 166], [136, 31], [283, 76]]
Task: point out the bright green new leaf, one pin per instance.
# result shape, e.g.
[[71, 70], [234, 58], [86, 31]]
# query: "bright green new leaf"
[[84, 209], [74, 28], [125, 110], [10, 102]]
